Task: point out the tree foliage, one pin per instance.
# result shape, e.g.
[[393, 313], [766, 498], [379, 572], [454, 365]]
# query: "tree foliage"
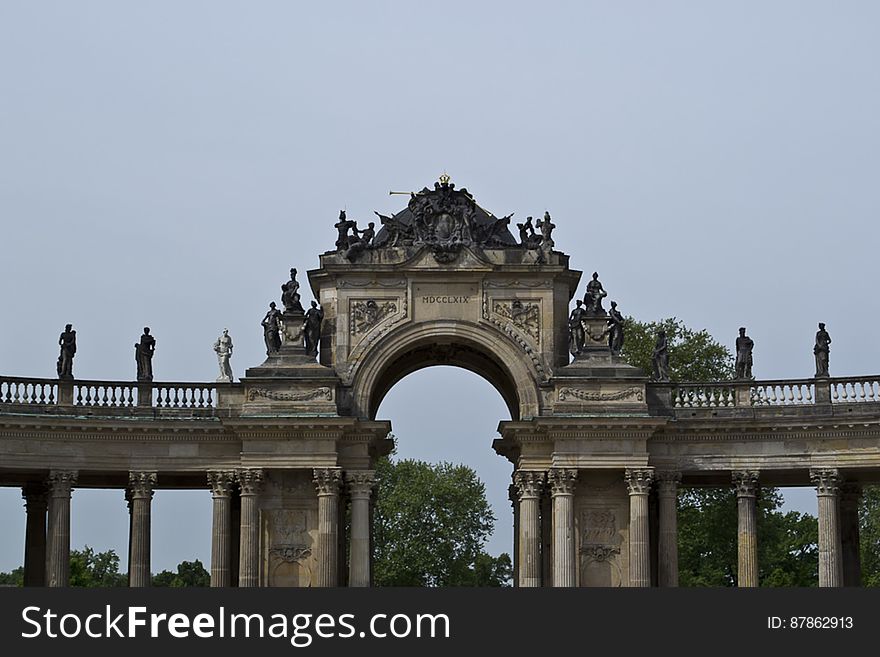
[[431, 524], [14, 578], [869, 539], [90, 569], [189, 573]]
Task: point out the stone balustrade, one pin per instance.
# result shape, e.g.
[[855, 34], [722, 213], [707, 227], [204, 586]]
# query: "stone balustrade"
[[770, 393]]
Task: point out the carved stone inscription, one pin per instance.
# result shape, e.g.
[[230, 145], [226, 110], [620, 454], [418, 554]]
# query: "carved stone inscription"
[[446, 301]]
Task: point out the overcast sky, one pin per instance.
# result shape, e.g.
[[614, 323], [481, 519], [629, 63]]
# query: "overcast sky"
[[166, 163]]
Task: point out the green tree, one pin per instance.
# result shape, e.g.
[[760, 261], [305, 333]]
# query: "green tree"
[[431, 524], [869, 530], [92, 569], [707, 534], [189, 573], [14, 578]]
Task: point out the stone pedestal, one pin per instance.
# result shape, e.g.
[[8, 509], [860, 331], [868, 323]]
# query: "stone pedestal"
[[529, 484], [745, 483], [140, 493], [827, 482], [667, 548], [360, 485], [36, 502], [250, 481], [562, 483], [638, 482], [221, 483], [327, 482], [60, 484]]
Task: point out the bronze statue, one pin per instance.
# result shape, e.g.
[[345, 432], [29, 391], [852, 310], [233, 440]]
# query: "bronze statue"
[[821, 351], [143, 355], [290, 294], [615, 329], [744, 346], [576, 329], [593, 297], [67, 342], [312, 328], [660, 358], [272, 330]]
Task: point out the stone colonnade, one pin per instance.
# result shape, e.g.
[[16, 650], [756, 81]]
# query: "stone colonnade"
[[839, 563]]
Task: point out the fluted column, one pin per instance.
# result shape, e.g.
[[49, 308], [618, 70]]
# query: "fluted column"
[[827, 482], [746, 482], [638, 483], [667, 539], [327, 482], [514, 502], [35, 502], [60, 484], [529, 484], [140, 495], [221, 483], [360, 486], [850, 497], [250, 481], [562, 483]]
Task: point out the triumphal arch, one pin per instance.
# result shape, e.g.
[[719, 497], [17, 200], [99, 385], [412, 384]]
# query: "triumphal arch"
[[599, 448]]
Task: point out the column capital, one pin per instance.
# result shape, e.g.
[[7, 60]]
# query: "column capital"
[[638, 480], [826, 481], [529, 483], [562, 481], [61, 482], [220, 482], [35, 496], [360, 482], [667, 481], [141, 484], [327, 480], [745, 482], [250, 480]]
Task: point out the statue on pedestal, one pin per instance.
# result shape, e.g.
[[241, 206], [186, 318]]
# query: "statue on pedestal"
[[67, 342], [744, 346], [312, 328], [593, 297], [615, 329], [660, 358], [821, 351], [290, 294], [576, 329], [143, 355], [271, 330], [223, 348]]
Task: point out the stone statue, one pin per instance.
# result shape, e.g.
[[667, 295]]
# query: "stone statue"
[[223, 348], [67, 342], [360, 240], [615, 329], [660, 357], [546, 227], [744, 346], [527, 237], [593, 297], [290, 294], [271, 330], [821, 351], [312, 328], [143, 355], [342, 226], [576, 329]]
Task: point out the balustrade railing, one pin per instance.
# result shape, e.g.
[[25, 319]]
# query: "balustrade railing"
[[28, 391], [782, 393], [104, 394], [184, 395], [790, 392], [855, 389], [703, 395]]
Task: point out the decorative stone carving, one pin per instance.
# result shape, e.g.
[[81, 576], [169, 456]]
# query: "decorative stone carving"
[[529, 483], [599, 527], [360, 482], [324, 393], [744, 346], [546, 227], [506, 327], [527, 237], [660, 357], [221, 482], [223, 349], [364, 315], [342, 226], [143, 355], [250, 480], [290, 295], [562, 480], [141, 484], [327, 480], [589, 395], [826, 480], [593, 297], [290, 539], [821, 351], [67, 342], [745, 482], [525, 316], [359, 240], [638, 481], [61, 481], [272, 330]]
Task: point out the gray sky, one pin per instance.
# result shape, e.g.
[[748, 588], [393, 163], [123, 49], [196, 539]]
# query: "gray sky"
[[166, 163]]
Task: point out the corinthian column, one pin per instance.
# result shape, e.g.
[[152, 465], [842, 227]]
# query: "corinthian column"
[[60, 484], [529, 484], [360, 485], [221, 483], [562, 483], [35, 502], [745, 482], [249, 481], [827, 481], [140, 495], [850, 496], [638, 483], [667, 548], [327, 482]]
